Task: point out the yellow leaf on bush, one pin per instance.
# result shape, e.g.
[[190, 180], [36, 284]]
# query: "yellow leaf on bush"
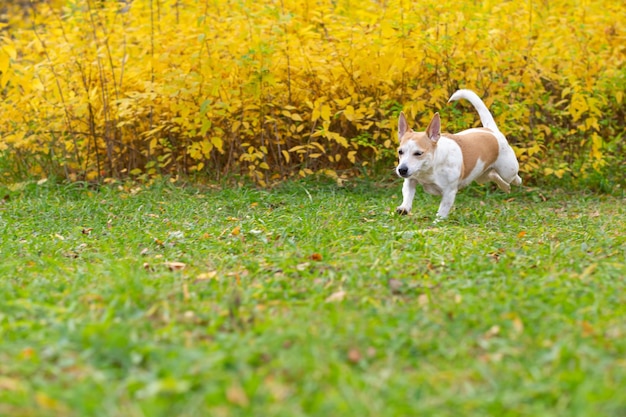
[[5, 61], [578, 106], [325, 112], [218, 143]]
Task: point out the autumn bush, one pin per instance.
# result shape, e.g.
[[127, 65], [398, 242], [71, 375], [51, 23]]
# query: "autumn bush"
[[274, 89]]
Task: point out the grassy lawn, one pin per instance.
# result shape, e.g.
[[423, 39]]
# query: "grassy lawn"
[[311, 300]]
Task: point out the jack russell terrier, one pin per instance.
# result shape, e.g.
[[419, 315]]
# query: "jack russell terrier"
[[445, 163]]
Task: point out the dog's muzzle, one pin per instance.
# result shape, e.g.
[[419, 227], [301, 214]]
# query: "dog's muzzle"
[[403, 171]]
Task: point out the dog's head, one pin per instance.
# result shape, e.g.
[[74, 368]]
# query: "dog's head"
[[416, 149]]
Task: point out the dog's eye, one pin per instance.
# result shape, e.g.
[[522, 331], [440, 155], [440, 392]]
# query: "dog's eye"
[[418, 153], [400, 152]]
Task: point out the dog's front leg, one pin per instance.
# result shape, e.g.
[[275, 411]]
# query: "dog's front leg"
[[408, 192], [446, 203]]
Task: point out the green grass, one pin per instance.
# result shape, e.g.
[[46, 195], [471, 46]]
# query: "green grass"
[[310, 300]]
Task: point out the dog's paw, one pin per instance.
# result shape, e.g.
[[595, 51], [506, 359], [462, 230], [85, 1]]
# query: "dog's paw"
[[402, 211]]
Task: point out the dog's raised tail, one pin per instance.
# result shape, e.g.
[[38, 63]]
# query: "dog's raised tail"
[[485, 115]]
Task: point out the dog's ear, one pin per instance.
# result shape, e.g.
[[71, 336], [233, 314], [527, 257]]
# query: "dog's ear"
[[402, 125], [433, 131]]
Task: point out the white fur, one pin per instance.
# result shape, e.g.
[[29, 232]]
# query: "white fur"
[[439, 171]]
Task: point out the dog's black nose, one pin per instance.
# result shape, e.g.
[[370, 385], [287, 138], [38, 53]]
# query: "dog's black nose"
[[403, 171]]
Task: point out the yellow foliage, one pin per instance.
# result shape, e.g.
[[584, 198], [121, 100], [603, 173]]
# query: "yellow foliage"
[[276, 89]]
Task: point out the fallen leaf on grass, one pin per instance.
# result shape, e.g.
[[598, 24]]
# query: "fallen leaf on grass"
[[236, 231], [422, 300], [316, 257], [354, 355], [394, 285], [46, 402], [303, 266], [236, 395], [278, 390], [175, 266], [518, 325], [491, 357], [10, 384], [27, 353], [336, 296], [493, 331], [206, 276], [588, 329]]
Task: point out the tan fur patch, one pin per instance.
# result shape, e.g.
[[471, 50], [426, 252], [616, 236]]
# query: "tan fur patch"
[[481, 144]]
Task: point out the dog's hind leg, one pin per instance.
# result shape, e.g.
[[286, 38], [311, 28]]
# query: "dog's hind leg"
[[503, 185]]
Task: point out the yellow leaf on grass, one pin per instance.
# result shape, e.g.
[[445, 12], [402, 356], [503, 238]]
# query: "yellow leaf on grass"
[[46, 402], [518, 325], [207, 276]]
